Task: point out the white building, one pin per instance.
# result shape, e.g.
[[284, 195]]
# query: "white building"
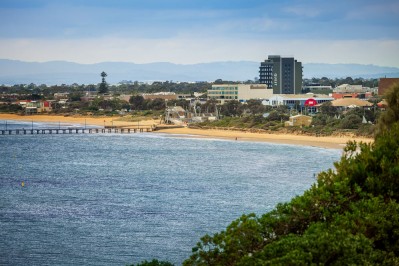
[[239, 92], [295, 100]]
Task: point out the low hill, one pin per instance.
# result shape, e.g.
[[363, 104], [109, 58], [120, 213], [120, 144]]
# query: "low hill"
[[62, 72]]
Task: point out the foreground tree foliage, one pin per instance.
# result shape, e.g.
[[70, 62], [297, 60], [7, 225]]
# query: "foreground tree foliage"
[[350, 216], [154, 262]]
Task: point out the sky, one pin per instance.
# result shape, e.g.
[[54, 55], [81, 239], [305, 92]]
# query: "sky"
[[200, 31]]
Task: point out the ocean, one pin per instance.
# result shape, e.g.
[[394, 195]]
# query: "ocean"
[[113, 199]]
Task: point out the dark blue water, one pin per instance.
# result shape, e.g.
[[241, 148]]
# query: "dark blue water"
[[117, 199]]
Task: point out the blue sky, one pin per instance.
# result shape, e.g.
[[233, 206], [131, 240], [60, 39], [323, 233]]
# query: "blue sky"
[[197, 31]]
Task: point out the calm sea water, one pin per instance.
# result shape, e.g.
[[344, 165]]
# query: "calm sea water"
[[116, 199]]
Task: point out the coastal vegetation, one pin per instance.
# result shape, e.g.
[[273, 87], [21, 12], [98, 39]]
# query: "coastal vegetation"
[[328, 121], [350, 216], [153, 262]]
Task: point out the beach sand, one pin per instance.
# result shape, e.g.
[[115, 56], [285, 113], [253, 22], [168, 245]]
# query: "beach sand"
[[324, 142]]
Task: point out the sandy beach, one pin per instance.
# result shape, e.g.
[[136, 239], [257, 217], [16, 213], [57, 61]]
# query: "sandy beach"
[[324, 142]]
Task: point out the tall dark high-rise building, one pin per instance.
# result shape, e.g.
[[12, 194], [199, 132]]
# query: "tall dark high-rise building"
[[283, 74]]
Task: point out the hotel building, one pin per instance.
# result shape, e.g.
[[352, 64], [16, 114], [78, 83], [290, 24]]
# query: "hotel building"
[[282, 74]]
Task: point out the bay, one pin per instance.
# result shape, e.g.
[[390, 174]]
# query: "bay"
[[113, 199]]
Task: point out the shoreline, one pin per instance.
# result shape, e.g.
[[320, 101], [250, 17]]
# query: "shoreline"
[[303, 140], [330, 142]]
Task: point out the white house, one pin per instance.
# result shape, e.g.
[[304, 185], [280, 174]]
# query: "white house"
[[296, 100]]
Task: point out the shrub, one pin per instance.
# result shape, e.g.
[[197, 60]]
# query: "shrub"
[[351, 121]]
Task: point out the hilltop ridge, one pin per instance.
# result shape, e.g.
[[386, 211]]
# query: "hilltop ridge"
[[63, 72]]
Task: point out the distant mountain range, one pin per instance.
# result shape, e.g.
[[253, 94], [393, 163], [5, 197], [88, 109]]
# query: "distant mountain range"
[[62, 72]]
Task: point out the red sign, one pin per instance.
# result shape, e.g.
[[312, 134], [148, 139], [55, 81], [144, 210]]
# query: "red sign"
[[310, 102]]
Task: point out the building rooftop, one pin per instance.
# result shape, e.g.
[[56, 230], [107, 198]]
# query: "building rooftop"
[[303, 96], [347, 102]]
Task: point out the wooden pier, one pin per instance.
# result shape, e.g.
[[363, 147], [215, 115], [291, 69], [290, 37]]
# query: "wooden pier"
[[114, 130]]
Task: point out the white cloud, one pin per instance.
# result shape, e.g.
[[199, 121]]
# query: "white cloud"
[[196, 50]]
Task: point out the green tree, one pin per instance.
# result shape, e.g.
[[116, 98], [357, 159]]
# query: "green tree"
[[348, 80], [255, 106], [75, 96], [327, 109], [320, 119], [275, 115], [10, 108], [137, 102], [103, 85], [156, 104], [231, 108], [351, 121], [325, 81], [154, 262]]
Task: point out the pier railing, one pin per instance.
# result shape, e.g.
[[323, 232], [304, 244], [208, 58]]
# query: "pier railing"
[[114, 130]]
